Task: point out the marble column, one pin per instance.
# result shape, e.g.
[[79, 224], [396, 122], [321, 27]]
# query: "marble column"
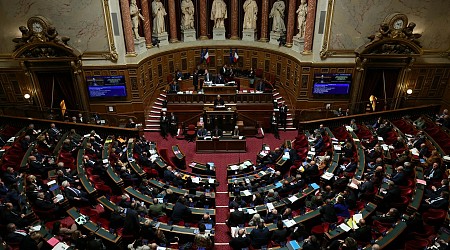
[[264, 21], [173, 22], [290, 23], [203, 13], [309, 27], [127, 26], [147, 23], [234, 19]]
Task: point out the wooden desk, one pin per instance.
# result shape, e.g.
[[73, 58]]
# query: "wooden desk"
[[219, 89], [90, 189], [221, 145], [93, 227], [136, 168]]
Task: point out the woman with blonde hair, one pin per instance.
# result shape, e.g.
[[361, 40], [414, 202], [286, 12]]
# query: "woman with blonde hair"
[[255, 220]]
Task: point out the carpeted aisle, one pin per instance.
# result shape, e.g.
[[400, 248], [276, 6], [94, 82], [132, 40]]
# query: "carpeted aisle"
[[221, 161]]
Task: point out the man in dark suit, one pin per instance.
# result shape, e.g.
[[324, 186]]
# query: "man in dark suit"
[[399, 178], [164, 124], [81, 119], [392, 195], [14, 236], [440, 202], [274, 125], [224, 71], [349, 167], [311, 171], [261, 86], [75, 196], [54, 133], [436, 191], [219, 79], [173, 124], [216, 132], [218, 101], [239, 240], [283, 115], [328, 213], [363, 233], [434, 173], [390, 217], [43, 204], [180, 211], [260, 236], [169, 176], [195, 79], [10, 177], [207, 77], [130, 124], [174, 87], [9, 215], [237, 217]]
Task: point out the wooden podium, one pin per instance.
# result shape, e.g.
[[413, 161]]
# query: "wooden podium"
[[223, 117], [223, 144]]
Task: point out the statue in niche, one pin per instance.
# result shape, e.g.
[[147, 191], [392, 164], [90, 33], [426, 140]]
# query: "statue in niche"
[[135, 16], [187, 17], [219, 13], [250, 14], [277, 13], [302, 12], [158, 12]]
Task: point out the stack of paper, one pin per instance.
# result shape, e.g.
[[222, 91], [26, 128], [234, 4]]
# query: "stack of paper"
[[289, 222], [344, 227], [349, 129], [270, 206], [293, 198], [327, 176], [246, 193], [251, 211]]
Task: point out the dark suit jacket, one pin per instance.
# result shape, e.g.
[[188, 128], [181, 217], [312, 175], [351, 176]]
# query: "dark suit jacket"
[[260, 237], [239, 242], [180, 211], [220, 102], [351, 167], [44, 204], [392, 195], [399, 179], [437, 175], [71, 195], [236, 218], [363, 234], [328, 213], [208, 77]]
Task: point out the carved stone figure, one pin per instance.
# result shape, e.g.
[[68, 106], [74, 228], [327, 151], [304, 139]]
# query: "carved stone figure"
[[135, 16], [250, 14], [302, 11], [158, 12], [187, 17], [219, 13], [277, 13]]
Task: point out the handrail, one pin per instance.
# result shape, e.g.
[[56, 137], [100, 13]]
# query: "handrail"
[[29, 111], [390, 114], [247, 119]]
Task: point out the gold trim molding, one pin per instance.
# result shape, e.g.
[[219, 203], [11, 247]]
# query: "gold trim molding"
[[112, 54]]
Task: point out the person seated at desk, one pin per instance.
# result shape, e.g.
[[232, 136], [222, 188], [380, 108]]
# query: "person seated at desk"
[[219, 101], [261, 86], [202, 132], [174, 87], [219, 80], [178, 74], [216, 132], [224, 71]]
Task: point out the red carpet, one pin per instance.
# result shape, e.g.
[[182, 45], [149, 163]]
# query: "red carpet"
[[221, 161]]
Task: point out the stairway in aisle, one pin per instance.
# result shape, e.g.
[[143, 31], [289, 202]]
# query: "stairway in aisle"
[[289, 121], [153, 114]]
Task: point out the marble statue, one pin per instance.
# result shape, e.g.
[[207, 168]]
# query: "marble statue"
[[158, 12], [135, 16], [250, 14], [302, 11], [277, 13], [187, 15], [219, 13]]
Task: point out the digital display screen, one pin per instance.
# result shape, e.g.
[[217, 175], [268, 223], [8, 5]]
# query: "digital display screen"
[[106, 86], [332, 84]]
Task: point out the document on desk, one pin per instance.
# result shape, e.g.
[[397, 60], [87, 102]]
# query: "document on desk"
[[234, 167], [293, 198], [344, 227], [357, 217], [289, 222], [247, 163], [270, 206], [195, 180], [246, 193], [349, 129], [251, 211]]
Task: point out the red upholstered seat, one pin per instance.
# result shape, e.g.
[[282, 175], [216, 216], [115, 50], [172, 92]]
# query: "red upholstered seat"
[[434, 216]]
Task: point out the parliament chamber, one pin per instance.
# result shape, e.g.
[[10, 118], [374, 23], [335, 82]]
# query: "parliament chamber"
[[224, 124]]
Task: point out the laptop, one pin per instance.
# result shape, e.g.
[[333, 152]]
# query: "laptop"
[[208, 226], [54, 187]]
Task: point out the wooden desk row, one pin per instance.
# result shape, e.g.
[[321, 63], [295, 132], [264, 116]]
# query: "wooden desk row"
[[228, 97], [221, 145], [165, 227], [180, 191], [262, 190]]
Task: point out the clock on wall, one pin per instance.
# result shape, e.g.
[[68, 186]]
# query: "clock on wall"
[[38, 24], [396, 21]]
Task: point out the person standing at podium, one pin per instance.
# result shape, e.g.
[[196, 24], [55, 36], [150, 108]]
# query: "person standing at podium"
[[274, 125], [219, 101], [208, 77]]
